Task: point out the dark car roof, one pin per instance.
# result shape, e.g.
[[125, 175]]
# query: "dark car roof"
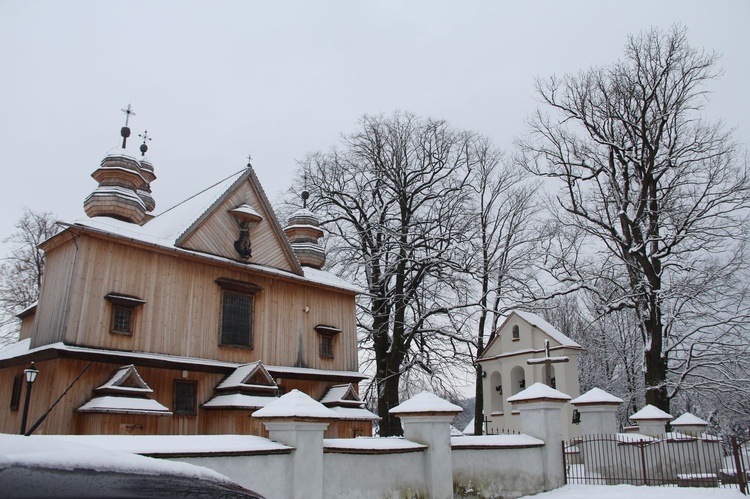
[[38, 482]]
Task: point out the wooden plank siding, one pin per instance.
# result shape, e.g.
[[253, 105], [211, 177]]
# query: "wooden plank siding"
[[181, 315], [219, 232], [57, 374], [60, 262]]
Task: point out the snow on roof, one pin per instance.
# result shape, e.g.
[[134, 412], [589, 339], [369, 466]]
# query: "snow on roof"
[[651, 413], [124, 405], [240, 375], [22, 348], [295, 404], [688, 419], [115, 383], [354, 413], [163, 233], [279, 371], [326, 278], [596, 396], [542, 360], [342, 395], [538, 391], [238, 401], [363, 444], [62, 454], [15, 349], [494, 441], [546, 327], [426, 402], [165, 445]]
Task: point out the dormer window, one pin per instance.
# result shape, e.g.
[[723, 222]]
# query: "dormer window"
[[123, 312], [327, 334], [516, 333]]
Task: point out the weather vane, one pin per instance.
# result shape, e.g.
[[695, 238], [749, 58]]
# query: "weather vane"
[[249, 159]]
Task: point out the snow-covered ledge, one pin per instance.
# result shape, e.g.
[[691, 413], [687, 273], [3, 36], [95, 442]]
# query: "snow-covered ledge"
[[295, 419], [426, 419], [651, 421], [541, 407], [598, 411]]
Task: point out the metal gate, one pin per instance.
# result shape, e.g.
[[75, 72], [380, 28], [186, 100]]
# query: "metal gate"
[[674, 459]]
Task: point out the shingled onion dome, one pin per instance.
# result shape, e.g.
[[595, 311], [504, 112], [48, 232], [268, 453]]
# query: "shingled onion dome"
[[303, 233], [119, 177], [124, 190]]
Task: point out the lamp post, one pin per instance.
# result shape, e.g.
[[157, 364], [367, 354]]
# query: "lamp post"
[[31, 374]]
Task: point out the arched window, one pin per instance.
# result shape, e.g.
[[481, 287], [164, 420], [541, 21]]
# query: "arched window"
[[496, 382], [516, 333], [517, 379]]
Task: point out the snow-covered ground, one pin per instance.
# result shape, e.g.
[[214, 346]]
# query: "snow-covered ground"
[[630, 491]]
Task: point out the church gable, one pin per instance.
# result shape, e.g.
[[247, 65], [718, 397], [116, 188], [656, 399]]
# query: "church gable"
[[242, 226], [525, 332]]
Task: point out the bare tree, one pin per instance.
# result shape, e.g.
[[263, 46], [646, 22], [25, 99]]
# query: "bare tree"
[[501, 247], [647, 187], [21, 271], [393, 200]]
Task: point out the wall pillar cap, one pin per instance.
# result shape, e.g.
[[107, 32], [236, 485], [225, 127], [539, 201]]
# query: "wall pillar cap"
[[651, 413], [539, 392], [296, 406], [426, 404], [596, 396]]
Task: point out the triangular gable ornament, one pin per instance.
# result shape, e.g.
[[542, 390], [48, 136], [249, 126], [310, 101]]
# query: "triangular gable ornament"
[[240, 224]]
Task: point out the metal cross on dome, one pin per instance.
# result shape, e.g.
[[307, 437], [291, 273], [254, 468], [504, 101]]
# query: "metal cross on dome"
[[547, 360], [128, 113]]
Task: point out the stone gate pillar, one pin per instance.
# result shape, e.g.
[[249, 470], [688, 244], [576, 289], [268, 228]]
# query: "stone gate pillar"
[[541, 408], [426, 419], [297, 420]]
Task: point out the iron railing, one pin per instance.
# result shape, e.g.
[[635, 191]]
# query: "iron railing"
[[673, 459]]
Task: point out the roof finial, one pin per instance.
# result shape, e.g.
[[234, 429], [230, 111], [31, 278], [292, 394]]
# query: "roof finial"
[[249, 159], [305, 195], [125, 131], [145, 137]]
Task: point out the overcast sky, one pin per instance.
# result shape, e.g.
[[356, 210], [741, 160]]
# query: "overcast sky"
[[214, 81]]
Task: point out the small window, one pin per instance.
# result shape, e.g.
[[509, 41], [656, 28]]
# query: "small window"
[[326, 346], [185, 398], [15, 394], [516, 333], [327, 335], [122, 320], [237, 307], [123, 312]]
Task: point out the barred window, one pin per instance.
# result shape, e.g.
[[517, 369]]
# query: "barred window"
[[123, 312], [326, 346], [237, 320], [185, 397], [237, 308], [122, 320], [327, 335]]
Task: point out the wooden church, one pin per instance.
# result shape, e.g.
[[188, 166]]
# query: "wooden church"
[[526, 350], [185, 322]]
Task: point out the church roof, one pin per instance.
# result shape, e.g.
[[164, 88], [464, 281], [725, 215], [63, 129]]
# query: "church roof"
[[171, 227], [546, 327]]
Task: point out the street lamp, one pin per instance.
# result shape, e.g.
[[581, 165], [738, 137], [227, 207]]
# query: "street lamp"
[[31, 374]]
